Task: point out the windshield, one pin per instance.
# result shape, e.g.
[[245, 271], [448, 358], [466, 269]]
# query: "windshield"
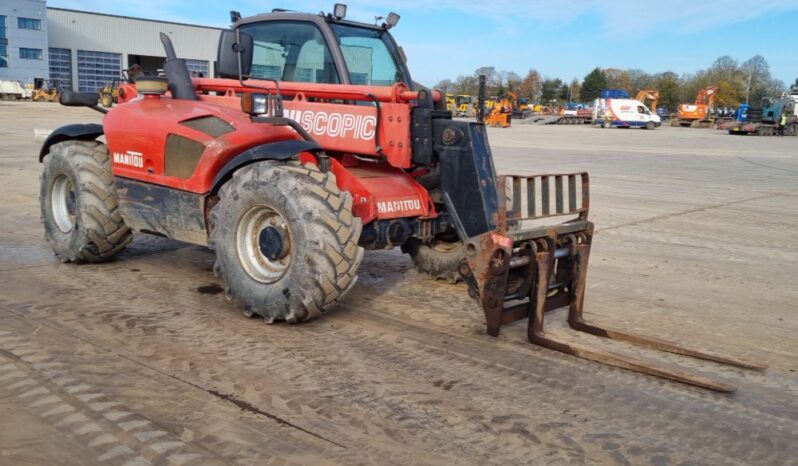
[[290, 51], [369, 54]]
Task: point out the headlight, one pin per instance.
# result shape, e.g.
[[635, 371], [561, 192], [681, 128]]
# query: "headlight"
[[255, 104]]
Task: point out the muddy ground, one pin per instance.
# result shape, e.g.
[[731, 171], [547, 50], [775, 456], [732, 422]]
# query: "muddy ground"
[[143, 361]]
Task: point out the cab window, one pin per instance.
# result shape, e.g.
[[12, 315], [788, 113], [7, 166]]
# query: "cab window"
[[369, 55], [290, 51]]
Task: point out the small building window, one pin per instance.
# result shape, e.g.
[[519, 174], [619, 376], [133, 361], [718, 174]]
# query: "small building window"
[[29, 23], [3, 56], [2, 27], [31, 54], [198, 68]]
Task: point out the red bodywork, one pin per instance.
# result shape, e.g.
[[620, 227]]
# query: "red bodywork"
[[137, 131]]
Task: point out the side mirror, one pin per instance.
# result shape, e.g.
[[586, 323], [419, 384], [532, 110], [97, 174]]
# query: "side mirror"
[[230, 43], [78, 99]]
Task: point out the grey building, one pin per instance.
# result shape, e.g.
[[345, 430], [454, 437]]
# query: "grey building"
[[88, 50], [84, 51], [23, 40]]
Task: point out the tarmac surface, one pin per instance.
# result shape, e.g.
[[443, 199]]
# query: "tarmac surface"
[[143, 361]]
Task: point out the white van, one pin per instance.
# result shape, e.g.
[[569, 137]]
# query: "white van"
[[624, 113]]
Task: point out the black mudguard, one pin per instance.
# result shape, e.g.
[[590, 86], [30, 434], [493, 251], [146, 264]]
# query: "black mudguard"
[[83, 132], [282, 150]]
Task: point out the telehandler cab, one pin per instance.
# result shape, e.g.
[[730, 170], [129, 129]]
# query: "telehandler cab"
[[312, 145]]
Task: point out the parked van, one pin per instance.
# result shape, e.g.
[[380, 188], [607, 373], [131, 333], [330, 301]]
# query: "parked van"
[[624, 113]]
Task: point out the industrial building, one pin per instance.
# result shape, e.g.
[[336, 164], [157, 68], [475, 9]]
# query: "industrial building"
[[23, 40], [84, 51]]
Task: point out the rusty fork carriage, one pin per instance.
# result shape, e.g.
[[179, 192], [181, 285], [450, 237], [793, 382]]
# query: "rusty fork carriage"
[[545, 268]]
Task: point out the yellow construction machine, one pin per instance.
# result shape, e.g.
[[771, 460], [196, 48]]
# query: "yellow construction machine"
[[44, 91], [109, 94], [651, 95]]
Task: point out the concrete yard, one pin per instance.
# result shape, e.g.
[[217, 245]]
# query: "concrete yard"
[[143, 361]]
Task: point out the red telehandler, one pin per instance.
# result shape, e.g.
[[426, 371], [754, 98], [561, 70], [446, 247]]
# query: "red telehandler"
[[312, 145]]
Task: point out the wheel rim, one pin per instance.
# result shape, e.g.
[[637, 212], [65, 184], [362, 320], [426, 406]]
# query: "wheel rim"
[[263, 243], [64, 203], [445, 246]]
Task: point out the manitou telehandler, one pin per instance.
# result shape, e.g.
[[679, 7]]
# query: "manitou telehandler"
[[312, 145]]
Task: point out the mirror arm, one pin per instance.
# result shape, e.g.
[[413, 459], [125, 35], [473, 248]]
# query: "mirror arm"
[[239, 53]]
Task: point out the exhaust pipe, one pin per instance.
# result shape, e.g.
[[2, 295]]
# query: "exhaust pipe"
[[177, 74]]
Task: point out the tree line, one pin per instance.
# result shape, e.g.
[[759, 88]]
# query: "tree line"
[[737, 82]]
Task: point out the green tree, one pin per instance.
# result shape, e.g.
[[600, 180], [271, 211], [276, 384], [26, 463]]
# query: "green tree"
[[562, 93], [549, 90], [668, 85], [574, 91], [592, 85]]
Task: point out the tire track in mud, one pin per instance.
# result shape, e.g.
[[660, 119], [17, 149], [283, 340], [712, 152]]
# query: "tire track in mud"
[[58, 394], [365, 336], [123, 431]]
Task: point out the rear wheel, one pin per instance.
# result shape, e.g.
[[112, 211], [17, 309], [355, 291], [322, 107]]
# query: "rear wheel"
[[439, 258], [607, 124], [285, 240], [80, 211]]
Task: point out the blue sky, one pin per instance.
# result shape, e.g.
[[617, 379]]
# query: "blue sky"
[[565, 39]]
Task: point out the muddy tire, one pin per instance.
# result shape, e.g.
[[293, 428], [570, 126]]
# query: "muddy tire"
[[80, 210], [285, 240], [439, 259]]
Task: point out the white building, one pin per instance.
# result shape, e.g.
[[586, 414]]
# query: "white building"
[[85, 51]]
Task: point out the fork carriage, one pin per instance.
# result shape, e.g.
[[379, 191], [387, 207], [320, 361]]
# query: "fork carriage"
[[522, 271]]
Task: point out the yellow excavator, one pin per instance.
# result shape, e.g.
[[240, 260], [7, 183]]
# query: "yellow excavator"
[[651, 95], [500, 114]]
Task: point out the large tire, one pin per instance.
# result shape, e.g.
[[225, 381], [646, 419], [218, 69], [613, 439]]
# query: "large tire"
[[315, 260], [439, 259], [650, 125], [80, 210]]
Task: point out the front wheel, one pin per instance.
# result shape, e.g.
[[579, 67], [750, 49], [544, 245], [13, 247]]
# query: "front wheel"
[[439, 259], [285, 240], [650, 125]]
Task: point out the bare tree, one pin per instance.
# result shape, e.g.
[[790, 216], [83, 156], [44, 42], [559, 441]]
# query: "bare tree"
[[446, 86]]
